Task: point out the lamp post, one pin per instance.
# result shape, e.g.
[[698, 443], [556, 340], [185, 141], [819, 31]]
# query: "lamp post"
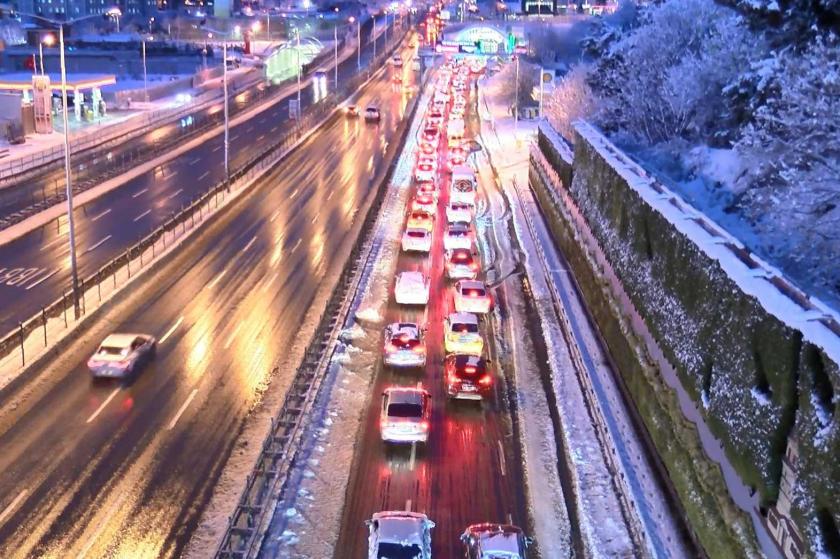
[[145, 75], [297, 114], [47, 40], [374, 38], [358, 42], [516, 100], [224, 36], [113, 12]]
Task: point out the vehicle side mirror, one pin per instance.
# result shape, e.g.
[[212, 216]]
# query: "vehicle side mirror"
[[529, 541]]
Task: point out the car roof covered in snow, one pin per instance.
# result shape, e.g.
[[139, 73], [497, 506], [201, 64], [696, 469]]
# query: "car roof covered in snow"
[[401, 527]]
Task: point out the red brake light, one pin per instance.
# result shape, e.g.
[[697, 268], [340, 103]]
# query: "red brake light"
[[424, 425], [486, 380], [419, 349], [469, 370], [390, 348]]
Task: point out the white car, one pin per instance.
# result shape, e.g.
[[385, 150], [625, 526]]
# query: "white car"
[[400, 534], [404, 346], [491, 541], [461, 264], [411, 288], [463, 185], [461, 334], [417, 240], [121, 355], [425, 171], [427, 188], [405, 416], [459, 211], [458, 235], [397, 61], [424, 201], [472, 296]]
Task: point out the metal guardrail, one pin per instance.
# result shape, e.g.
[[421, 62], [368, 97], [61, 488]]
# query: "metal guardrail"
[[144, 251], [249, 521], [634, 522]]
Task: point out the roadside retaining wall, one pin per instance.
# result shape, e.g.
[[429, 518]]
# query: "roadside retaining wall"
[[755, 359]]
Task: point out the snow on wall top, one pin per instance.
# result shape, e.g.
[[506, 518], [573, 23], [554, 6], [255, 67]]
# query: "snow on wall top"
[[561, 145], [819, 323]]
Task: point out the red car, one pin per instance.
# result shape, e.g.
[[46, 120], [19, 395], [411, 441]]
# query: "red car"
[[467, 377]]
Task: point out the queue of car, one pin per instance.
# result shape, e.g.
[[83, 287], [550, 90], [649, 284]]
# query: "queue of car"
[[406, 410]]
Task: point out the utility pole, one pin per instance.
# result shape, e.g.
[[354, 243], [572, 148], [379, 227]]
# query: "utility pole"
[[227, 128], [516, 100], [335, 66], [145, 75], [297, 116], [374, 38]]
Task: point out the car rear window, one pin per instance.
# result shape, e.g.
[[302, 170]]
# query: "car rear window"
[[405, 410], [458, 233], [462, 257], [417, 234], [389, 550], [113, 350], [404, 342], [473, 292], [465, 370], [462, 328]]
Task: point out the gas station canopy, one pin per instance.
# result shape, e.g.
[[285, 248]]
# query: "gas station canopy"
[[22, 81]]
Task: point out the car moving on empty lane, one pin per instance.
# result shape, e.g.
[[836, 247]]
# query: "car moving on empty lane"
[[121, 355]]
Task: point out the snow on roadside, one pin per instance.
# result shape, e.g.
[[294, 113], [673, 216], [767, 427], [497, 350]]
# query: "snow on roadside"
[[312, 531]]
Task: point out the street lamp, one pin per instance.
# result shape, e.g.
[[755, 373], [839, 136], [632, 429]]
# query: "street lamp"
[[112, 12], [335, 50], [225, 88], [373, 30], [358, 42], [47, 40]]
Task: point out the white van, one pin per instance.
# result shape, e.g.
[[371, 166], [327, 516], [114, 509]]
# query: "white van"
[[464, 185]]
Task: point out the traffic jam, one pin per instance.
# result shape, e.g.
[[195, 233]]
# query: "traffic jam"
[[438, 287]]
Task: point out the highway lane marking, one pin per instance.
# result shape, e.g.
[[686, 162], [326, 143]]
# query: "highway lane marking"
[[234, 138], [12, 506], [297, 244], [139, 193], [274, 216], [262, 120], [261, 137], [115, 506], [232, 336], [43, 279], [216, 279], [194, 161], [142, 215], [274, 128], [412, 459], [217, 148], [182, 409], [174, 194], [250, 243], [204, 176], [102, 406], [171, 330], [317, 215], [408, 505], [54, 241], [106, 212], [501, 457], [269, 282], [97, 245], [295, 193], [172, 174], [330, 195]]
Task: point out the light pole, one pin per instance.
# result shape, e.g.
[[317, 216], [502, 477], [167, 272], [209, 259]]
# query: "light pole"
[[113, 12], [225, 94], [48, 40], [145, 75], [335, 57], [297, 113], [374, 38], [516, 101], [358, 42]]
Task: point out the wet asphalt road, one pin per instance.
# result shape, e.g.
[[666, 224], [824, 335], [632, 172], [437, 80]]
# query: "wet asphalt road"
[[124, 469], [35, 268]]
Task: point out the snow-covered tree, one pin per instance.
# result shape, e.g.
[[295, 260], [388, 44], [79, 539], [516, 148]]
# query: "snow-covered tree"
[[665, 79], [792, 146], [528, 76], [571, 100]]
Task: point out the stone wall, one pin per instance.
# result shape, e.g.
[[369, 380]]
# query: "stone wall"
[[756, 357]]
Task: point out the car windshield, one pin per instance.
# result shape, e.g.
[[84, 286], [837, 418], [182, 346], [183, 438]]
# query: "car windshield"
[[405, 409], [113, 350], [398, 551], [462, 328]]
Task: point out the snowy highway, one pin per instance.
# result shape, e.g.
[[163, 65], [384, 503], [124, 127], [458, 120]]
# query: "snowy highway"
[[125, 469]]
